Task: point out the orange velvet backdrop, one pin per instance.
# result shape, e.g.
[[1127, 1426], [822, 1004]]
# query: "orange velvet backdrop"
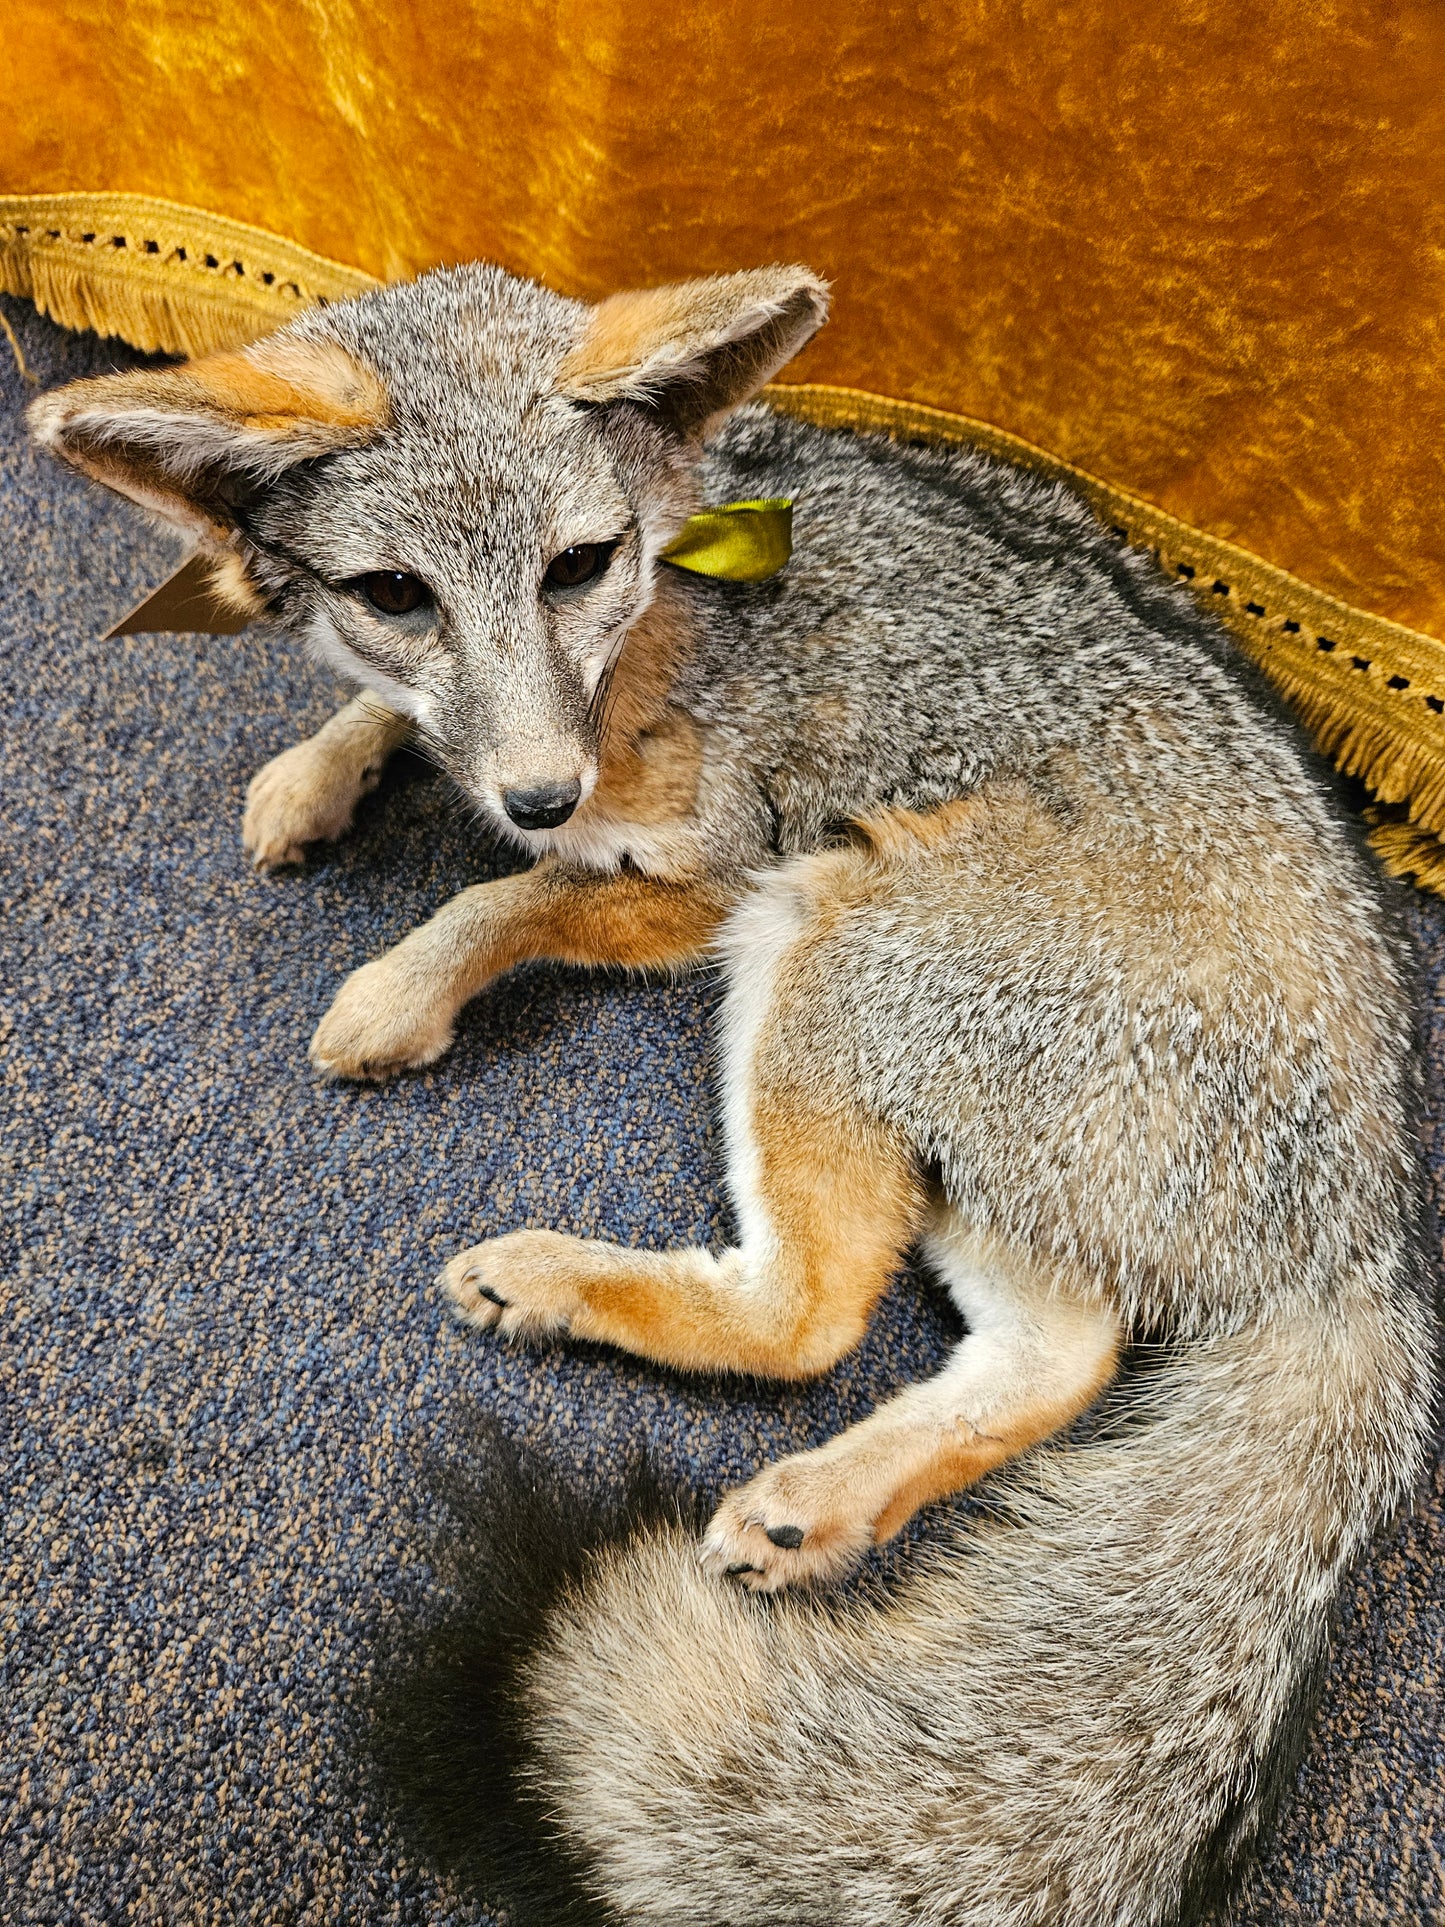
[[1197, 250]]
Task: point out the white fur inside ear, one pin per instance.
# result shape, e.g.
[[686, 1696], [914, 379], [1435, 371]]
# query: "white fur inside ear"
[[153, 434], [157, 458], [688, 360], [189, 444]]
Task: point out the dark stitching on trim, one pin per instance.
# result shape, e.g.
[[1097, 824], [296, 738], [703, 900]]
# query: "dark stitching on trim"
[[1290, 627], [293, 290]]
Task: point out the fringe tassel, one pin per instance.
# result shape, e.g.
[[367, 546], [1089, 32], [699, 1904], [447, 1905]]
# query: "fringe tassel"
[[1408, 852], [150, 318], [162, 277], [1393, 770], [179, 280]]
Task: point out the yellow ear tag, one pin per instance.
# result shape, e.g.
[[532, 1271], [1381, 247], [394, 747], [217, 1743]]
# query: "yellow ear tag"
[[739, 542]]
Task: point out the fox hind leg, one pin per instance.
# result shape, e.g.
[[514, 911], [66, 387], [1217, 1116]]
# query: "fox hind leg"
[[831, 1213], [1035, 1357], [827, 1202], [828, 1197]]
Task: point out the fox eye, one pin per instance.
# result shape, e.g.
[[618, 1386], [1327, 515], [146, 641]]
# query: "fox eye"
[[393, 593], [573, 567]]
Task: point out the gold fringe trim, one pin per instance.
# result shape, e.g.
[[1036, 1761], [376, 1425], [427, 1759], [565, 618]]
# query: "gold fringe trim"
[[159, 275], [1370, 691], [177, 279], [1408, 851]]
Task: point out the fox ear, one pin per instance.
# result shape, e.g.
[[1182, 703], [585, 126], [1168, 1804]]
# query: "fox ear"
[[191, 442], [698, 348]]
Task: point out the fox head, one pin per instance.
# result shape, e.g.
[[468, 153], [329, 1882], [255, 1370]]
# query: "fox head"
[[455, 489]]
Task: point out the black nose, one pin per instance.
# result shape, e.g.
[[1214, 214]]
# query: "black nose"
[[541, 809]]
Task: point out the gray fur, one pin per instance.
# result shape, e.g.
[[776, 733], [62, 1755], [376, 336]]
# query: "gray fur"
[[1150, 1028], [519, 474]]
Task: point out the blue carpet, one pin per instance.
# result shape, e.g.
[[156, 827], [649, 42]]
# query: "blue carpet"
[[223, 1360]]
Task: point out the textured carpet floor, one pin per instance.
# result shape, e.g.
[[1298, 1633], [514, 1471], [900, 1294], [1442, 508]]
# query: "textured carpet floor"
[[223, 1356]]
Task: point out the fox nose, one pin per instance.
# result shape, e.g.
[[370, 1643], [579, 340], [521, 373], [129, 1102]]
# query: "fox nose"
[[543, 808]]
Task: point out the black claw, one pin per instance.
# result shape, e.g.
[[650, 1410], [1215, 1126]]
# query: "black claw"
[[733, 1571], [788, 1537], [492, 1297]]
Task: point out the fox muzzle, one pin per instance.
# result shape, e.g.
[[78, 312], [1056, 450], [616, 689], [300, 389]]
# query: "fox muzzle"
[[543, 808]]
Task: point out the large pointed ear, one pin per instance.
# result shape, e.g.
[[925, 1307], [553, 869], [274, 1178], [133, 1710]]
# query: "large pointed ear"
[[191, 442], [698, 348]]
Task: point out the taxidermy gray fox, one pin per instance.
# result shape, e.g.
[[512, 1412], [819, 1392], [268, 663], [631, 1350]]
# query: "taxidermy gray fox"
[[1048, 950]]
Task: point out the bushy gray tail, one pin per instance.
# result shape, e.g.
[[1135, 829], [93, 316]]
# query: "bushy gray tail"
[[1074, 1714]]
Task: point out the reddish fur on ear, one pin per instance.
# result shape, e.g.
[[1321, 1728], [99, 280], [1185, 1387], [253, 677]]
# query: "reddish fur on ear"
[[697, 348], [283, 385], [163, 436]]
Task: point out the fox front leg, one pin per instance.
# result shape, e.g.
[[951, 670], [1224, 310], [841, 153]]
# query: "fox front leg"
[[399, 1012], [309, 793]]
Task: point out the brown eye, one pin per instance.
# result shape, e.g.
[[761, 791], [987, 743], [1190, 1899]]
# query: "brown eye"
[[575, 566], [393, 593]]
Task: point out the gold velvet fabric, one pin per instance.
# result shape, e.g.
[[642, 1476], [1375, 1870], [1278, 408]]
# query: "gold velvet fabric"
[[1195, 250]]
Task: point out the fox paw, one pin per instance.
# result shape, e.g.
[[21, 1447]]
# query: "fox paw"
[[381, 1022], [522, 1284], [307, 794], [795, 1524]]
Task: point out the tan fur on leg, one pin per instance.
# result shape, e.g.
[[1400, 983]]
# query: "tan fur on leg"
[[400, 1011], [309, 793], [842, 1201], [1035, 1357], [827, 1200]]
